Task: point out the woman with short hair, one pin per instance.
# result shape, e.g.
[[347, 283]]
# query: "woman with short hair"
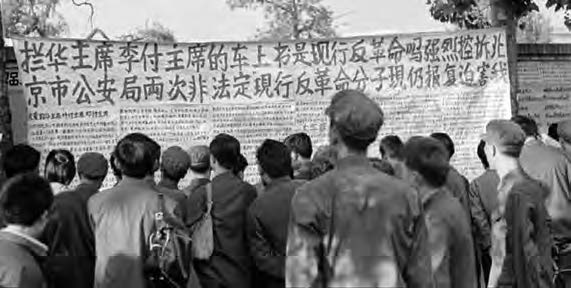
[[60, 170]]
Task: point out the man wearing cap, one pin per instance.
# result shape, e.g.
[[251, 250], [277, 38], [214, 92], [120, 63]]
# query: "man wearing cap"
[[199, 168], [521, 240], [68, 234], [549, 166], [355, 226], [174, 166]]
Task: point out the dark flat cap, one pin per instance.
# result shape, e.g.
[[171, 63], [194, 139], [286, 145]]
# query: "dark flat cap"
[[355, 115], [199, 156], [92, 165]]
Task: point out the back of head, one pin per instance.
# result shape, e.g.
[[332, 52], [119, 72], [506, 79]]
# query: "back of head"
[[355, 118], [391, 147], [528, 125], [226, 150], [382, 166], [506, 136], [175, 163], [482, 154], [275, 159], [137, 155], [446, 140], [300, 143], [199, 158], [92, 166], [60, 167], [24, 199], [20, 159], [429, 158]]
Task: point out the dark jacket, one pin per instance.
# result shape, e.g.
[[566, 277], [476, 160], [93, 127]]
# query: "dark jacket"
[[230, 265], [357, 227], [450, 240], [267, 226], [123, 219], [70, 239], [458, 185], [20, 262], [303, 172], [521, 240], [483, 201]]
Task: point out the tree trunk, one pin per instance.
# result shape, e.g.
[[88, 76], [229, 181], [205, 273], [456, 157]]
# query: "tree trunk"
[[502, 17], [5, 115]]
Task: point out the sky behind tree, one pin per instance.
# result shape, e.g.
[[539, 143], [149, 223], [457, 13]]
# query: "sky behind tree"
[[211, 20]]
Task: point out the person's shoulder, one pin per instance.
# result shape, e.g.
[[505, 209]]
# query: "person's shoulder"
[[98, 198]]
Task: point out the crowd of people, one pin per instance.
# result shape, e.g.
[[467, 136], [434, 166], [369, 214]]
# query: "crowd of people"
[[329, 218]]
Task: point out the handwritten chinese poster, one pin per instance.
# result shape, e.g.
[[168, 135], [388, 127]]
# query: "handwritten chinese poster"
[[86, 95]]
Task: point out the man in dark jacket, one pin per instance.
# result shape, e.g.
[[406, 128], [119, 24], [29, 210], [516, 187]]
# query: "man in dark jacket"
[[355, 226], [269, 214], [69, 234], [230, 265], [521, 240]]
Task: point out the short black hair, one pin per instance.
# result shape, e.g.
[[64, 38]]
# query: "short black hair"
[[137, 155], [25, 198], [429, 158], [391, 146], [275, 159], [382, 166], [60, 167], [446, 140], [226, 150], [300, 143], [528, 125], [482, 154], [552, 131], [20, 159]]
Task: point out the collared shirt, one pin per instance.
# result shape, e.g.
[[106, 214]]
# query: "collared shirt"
[[20, 256], [521, 240], [357, 227]]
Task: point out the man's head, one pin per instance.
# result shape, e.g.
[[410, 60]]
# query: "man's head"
[[391, 148], [564, 132], [504, 140], [60, 167], [21, 159], [446, 140], [92, 167], [482, 154], [552, 131], [224, 153], [175, 163], [354, 120], [426, 162], [528, 125], [300, 146], [200, 160], [137, 155], [274, 161], [25, 201]]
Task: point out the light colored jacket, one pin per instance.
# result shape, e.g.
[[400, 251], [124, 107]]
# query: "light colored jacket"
[[19, 267], [123, 219]]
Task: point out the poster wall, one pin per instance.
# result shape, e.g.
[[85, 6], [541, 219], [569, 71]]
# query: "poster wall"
[[85, 95]]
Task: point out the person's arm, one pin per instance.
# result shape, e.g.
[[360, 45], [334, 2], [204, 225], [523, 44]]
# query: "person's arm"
[[480, 223], [266, 258], [303, 241], [463, 264]]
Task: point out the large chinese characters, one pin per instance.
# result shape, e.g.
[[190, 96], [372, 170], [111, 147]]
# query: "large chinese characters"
[[266, 90]]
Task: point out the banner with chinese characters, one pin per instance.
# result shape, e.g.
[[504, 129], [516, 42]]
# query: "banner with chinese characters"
[[85, 95]]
